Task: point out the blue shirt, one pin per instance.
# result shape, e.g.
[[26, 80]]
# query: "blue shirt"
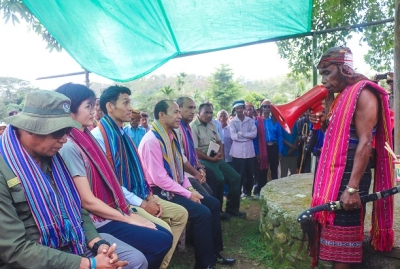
[[291, 138], [273, 133], [135, 134], [219, 129]]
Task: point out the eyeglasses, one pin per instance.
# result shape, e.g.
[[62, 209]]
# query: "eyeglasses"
[[60, 133], [265, 106]]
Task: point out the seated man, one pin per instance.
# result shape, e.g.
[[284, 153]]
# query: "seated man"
[[134, 130], [42, 224], [162, 161], [194, 170], [199, 175], [99, 188], [204, 131], [126, 164]]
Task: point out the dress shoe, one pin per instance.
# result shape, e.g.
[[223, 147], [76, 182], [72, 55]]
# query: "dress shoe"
[[225, 261], [240, 215], [224, 216]]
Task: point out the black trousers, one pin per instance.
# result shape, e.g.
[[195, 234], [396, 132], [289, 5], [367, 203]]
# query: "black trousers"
[[245, 168], [273, 161], [205, 220]]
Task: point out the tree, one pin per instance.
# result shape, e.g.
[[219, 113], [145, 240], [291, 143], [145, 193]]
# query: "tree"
[[255, 98], [12, 9], [12, 94], [223, 90], [336, 13], [181, 81], [167, 90]]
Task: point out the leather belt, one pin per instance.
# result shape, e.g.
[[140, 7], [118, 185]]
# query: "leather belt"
[[271, 143]]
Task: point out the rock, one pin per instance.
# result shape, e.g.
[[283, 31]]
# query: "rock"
[[281, 238], [284, 200]]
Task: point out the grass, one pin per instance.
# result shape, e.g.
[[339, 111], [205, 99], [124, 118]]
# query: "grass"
[[242, 240]]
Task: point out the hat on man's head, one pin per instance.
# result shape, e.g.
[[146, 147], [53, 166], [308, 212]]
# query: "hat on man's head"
[[3, 124], [44, 112], [336, 55], [135, 114], [237, 103]]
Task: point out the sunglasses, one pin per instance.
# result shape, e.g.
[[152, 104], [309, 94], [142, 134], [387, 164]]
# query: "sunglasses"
[[60, 133], [265, 106]]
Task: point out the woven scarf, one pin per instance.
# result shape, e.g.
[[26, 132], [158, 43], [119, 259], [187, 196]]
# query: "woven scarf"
[[188, 144], [333, 161], [262, 145], [103, 182], [123, 157], [57, 213], [172, 155]]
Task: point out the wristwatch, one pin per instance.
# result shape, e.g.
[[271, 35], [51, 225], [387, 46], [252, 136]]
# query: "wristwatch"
[[190, 188], [96, 246], [351, 190]]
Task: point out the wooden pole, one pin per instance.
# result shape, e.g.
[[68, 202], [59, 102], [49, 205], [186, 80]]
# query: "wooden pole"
[[87, 81], [396, 82], [314, 67]]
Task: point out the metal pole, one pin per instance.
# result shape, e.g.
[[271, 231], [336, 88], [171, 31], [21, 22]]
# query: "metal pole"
[[330, 30], [314, 67], [396, 82]]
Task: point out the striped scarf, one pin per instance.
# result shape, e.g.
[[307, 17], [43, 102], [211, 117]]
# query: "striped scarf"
[[103, 182], [188, 144], [333, 160], [123, 157], [57, 213], [174, 165], [262, 144]]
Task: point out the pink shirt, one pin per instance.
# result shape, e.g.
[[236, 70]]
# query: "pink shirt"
[[153, 166]]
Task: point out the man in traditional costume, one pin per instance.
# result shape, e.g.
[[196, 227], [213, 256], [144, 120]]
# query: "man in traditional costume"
[[359, 113]]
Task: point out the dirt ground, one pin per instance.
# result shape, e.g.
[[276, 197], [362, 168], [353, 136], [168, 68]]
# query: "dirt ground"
[[241, 241]]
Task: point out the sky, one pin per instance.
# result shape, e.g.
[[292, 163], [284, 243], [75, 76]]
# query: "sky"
[[24, 55]]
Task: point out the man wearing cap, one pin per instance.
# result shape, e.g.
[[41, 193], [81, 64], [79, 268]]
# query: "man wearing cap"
[[243, 131], [134, 130], [359, 113], [204, 132], [42, 223], [268, 145]]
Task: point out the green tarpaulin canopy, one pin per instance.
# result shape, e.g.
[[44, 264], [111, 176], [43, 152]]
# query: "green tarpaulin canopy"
[[126, 39]]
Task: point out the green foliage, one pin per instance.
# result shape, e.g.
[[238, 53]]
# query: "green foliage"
[[167, 91], [333, 13], [180, 80], [223, 90], [279, 98], [12, 94], [255, 98], [15, 10]]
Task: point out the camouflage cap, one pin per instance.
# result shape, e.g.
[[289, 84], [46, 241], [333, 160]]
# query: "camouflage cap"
[[44, 112]]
